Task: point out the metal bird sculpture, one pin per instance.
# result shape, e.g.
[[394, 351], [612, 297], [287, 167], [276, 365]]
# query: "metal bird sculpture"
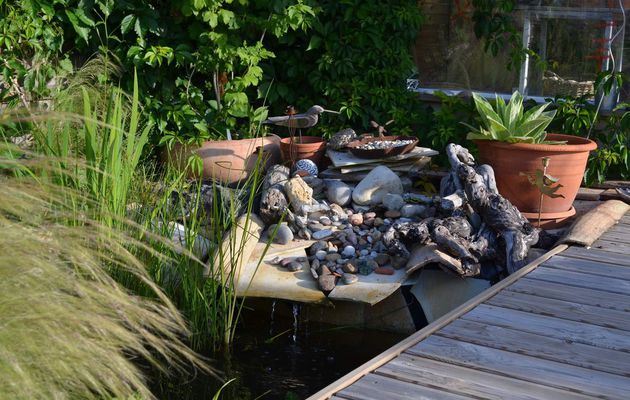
[[307, 119]]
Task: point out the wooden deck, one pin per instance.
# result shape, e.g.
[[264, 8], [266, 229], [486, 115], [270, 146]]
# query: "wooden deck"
[[557, 329]]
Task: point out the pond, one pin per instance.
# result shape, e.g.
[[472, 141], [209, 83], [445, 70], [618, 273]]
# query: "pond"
[[281, 354]]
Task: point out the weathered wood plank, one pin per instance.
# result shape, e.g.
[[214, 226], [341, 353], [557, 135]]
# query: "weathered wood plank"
[[596, 255], [500, 362], [590, 267], [378, 387], [540, 346], [572, 331], [619, 229], [560, 291], [562, 309], [616, 237], [579, 279], [625, 220], [615, 247], [397, 349], [469, 381]]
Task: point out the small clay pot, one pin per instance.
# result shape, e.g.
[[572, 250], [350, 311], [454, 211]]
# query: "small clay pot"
[[306, 147]]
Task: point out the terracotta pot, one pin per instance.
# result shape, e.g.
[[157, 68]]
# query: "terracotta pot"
[[509, 160], [307, 147], [228, 161]]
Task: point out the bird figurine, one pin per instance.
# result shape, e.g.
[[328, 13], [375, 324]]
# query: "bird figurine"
[[307, 119]]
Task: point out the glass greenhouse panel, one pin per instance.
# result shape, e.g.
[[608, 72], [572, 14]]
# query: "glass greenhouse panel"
[[572, 41]]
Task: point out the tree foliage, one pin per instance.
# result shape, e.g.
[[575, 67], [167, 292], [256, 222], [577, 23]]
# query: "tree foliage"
[[356, 59]]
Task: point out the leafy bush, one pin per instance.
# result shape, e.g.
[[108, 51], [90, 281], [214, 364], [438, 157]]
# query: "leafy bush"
[[610, 160], [356, 59], [198, 62]]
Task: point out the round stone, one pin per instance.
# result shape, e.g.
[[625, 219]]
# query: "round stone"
[[349, 251], [393, 202], [338, 193], [349, 279], [356, 219], [321, 255], [294, 266], [392, 214], [283, 234], [324, 220]]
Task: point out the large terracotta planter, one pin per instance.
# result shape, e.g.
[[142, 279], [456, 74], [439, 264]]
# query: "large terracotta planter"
[[509, 160], [228, 161], [306, 147]]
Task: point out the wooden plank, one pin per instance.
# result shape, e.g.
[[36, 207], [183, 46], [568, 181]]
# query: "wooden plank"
[[625, 220], [560, 291], [469, 381], [589, 267], [518, 366], [613, 236], [619, 228], [615, 247], [572, 331], [597, 255], [540, 346], [562, 309], [394, 351], [378, 387], [582, 280]]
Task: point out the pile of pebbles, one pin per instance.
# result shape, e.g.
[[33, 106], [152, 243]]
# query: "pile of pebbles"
[[384, 144], [350, 241]]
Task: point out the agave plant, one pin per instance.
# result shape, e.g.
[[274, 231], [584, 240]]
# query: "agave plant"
[[510, 122]]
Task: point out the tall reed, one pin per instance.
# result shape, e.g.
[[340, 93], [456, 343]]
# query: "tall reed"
[[104, 129], [68, 329]]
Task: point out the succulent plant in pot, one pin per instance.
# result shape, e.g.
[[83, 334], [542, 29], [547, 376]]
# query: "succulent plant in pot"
[[514, 142]]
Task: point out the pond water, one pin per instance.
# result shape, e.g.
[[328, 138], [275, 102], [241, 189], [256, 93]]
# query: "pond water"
[[280, 354]]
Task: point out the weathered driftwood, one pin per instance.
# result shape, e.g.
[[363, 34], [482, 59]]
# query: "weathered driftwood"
[[478, 224], [499, 215], [273, 202]]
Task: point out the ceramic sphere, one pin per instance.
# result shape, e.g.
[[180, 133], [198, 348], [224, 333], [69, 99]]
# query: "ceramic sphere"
[[307, 166]]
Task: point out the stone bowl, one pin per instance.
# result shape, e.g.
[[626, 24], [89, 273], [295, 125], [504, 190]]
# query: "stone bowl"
[[353, 147]]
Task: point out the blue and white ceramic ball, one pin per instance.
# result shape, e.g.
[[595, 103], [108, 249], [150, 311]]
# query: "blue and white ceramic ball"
[[307, 166]]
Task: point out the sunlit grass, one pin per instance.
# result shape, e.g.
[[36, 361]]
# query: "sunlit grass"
[[68, 329]]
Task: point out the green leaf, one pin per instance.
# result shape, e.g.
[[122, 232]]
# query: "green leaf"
[[127, 23], [314, 43], [82, 31]]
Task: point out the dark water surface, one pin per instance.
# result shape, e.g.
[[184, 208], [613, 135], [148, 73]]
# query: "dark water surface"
[[284, 356]]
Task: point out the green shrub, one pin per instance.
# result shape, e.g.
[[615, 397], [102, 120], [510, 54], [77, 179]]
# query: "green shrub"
[[356, 58]]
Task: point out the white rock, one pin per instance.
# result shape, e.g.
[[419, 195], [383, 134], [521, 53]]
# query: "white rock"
[[338, 192], [379, 182], [393, 202]]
